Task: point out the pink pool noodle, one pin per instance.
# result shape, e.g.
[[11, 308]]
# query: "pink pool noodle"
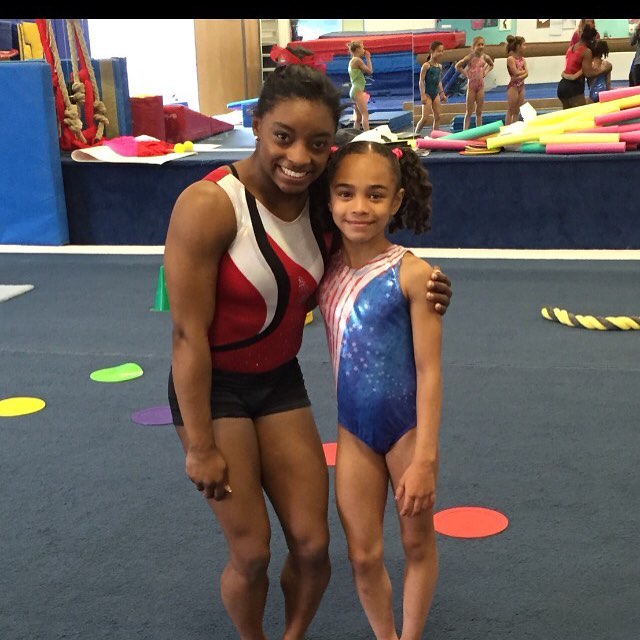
[[613, 128], [437, 133], [587, 147], [452, 145], [631, 146], [630, 136], [625, 128], [617, 116], [614, 94]]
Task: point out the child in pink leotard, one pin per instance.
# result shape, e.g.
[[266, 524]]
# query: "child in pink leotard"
[[517, 68], [475, 66]]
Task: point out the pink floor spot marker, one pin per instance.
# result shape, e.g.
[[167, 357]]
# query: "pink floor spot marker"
[[330, 449], [153, 416], [469, 522]]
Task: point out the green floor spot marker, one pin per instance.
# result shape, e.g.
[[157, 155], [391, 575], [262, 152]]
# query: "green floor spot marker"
[[161, 302], [11, 407], [121, 373]]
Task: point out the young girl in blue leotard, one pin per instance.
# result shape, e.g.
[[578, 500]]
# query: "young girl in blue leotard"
[[601, 82], [384, 343], [430, 85]]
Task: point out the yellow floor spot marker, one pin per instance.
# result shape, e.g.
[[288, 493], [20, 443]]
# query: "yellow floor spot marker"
[[20, 406]]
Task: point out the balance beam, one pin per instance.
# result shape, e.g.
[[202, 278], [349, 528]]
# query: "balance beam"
[[534, 50]]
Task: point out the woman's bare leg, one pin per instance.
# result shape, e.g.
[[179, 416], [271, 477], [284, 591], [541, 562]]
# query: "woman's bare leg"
[[296, 479], [245, 522]]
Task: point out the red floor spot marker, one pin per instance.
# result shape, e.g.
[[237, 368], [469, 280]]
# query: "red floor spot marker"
[[469, 522], [330, 453]]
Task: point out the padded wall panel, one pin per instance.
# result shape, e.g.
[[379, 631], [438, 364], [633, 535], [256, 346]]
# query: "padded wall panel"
[[32, 210]]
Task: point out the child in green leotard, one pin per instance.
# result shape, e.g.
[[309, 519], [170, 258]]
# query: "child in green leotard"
[[357, 69]]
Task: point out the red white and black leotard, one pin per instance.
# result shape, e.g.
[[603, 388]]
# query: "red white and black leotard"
[[264, 282]]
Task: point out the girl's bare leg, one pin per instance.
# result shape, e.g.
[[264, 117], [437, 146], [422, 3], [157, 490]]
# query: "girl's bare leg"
[[361, 100], [362, 483], [512, 105], [423, 118], [419, 544], [357, 122], [436, 112], [470, 106], [479, 105]]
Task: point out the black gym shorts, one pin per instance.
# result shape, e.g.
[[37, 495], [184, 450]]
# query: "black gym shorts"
[[251, 395]]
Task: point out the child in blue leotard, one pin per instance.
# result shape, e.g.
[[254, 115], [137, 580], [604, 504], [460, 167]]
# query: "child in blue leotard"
[[601, 82], [385, 343], [430, 85]]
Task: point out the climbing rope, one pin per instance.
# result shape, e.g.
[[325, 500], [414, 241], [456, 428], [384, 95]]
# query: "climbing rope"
[[599, 323], [84, 89], [98, 113]]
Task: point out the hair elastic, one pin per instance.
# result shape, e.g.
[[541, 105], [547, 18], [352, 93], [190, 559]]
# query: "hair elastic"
[[397, 152]]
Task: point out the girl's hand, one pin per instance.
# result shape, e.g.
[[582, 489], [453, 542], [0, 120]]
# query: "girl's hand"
[[443, 96], [416, 491], [367, 54], [423, 98]]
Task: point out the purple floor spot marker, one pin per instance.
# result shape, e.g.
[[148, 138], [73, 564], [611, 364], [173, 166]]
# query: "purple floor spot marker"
[[153, 416]]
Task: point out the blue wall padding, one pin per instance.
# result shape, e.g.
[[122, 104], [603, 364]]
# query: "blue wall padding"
[[394, 74], [382, 63], [6, 35], [122, 96], [33, 209]]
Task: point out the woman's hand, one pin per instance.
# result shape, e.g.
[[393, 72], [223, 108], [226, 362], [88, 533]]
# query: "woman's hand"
[[207, 469], [439, 290]]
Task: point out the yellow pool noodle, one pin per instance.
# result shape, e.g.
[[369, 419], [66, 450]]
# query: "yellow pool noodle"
[[514, 138], [628, 102], [571, 138], [586, 110]]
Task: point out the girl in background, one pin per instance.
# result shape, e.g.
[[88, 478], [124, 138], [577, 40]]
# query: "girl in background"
[[430, 85], [357, 69], [517, 68], [475, 66], [634, 73], [385, 345], [577, 34], [601, 82]]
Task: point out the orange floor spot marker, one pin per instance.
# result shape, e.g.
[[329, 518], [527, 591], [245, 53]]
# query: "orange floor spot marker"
[[469, 522]]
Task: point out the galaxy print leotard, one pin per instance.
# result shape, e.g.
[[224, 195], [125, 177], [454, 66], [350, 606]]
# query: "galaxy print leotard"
[[371, 347]]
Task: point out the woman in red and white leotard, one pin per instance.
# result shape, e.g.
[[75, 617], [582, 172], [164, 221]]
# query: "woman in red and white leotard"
[[578, 66]]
